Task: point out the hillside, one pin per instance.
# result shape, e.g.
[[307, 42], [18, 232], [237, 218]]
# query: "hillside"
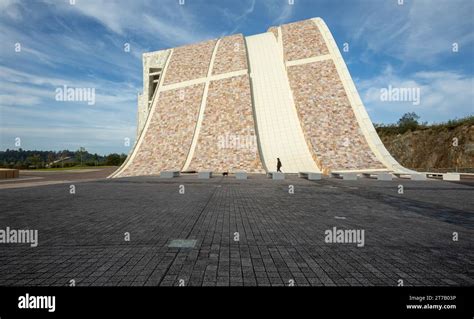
[[433, 148]]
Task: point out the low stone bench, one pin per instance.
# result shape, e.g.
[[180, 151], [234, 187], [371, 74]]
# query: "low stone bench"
[[241, 175], [9, 173], [379, 176], [413, 177], [435, 175], [418, 177], [276, 175], [205, 174], [384, 176], [345, 176], [169, 174], [451, 177], [312, 176]]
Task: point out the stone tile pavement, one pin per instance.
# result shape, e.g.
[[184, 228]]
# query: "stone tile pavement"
[[281, 236]]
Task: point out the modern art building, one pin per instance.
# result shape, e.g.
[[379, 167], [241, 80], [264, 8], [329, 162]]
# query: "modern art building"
[[238, 103]]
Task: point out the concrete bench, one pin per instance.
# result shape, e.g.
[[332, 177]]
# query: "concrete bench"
[[451, 177], [169, 174], [435, 175], [379, 176], [241, 175], [413, 177], [384, 177], [205, 174], [418, 177], [312, 176], [345, 176], [276, 175]]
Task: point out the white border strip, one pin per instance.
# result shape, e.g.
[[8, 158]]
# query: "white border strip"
[[360, 112], [228, 75], [197, 129], [280, 42], [216, 77], [309, 60]]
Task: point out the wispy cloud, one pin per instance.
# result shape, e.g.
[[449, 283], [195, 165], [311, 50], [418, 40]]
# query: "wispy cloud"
[[418, 31], [280, 11], [168, 21], [442, 94]]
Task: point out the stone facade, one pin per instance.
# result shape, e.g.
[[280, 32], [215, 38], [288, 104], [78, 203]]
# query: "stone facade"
[[168, 137], [231, 55], [189, 62], [227, 140], [302, 40], [219, 133], [327, 118], [156, 59]]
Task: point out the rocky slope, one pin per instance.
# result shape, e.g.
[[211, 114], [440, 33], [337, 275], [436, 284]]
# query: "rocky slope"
[[436, 148]]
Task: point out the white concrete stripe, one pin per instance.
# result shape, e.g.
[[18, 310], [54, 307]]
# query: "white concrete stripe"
[[360, 112], [201, 109], [228, 75], [138, 143], [280, 42], [179, 85], [279, 129], [309, 60], [221, 76]]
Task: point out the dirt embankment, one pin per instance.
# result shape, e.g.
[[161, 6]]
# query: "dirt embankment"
[[433, 149]]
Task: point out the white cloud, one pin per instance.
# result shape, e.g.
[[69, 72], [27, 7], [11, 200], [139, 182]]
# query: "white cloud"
[[174, 25], [10, 9], [279, 11], [21, 86], [444, 95], [96, 139], [19, 100], [237, 19], [419, 31]]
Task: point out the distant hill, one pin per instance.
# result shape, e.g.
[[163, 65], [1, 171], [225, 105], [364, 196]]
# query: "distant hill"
[[39, 159]]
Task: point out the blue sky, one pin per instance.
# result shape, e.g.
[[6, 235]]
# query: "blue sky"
[[82, 45]]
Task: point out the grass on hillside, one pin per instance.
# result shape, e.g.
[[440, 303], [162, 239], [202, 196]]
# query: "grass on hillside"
[[394, 129]]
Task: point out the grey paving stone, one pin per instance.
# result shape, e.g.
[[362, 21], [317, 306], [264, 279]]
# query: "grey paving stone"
[[281, 236]]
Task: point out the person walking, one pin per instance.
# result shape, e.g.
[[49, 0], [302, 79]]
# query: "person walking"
[[279, 165]]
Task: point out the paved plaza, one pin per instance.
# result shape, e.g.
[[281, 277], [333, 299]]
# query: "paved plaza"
[[246, 232]]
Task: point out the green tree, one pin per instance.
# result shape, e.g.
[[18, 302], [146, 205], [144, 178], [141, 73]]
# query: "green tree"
[[34, 160], [409, 121], [113, 159], [96, 159], [80, 153]]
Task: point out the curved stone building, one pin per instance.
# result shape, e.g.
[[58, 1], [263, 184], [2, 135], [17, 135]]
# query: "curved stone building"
[[238, 103]]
